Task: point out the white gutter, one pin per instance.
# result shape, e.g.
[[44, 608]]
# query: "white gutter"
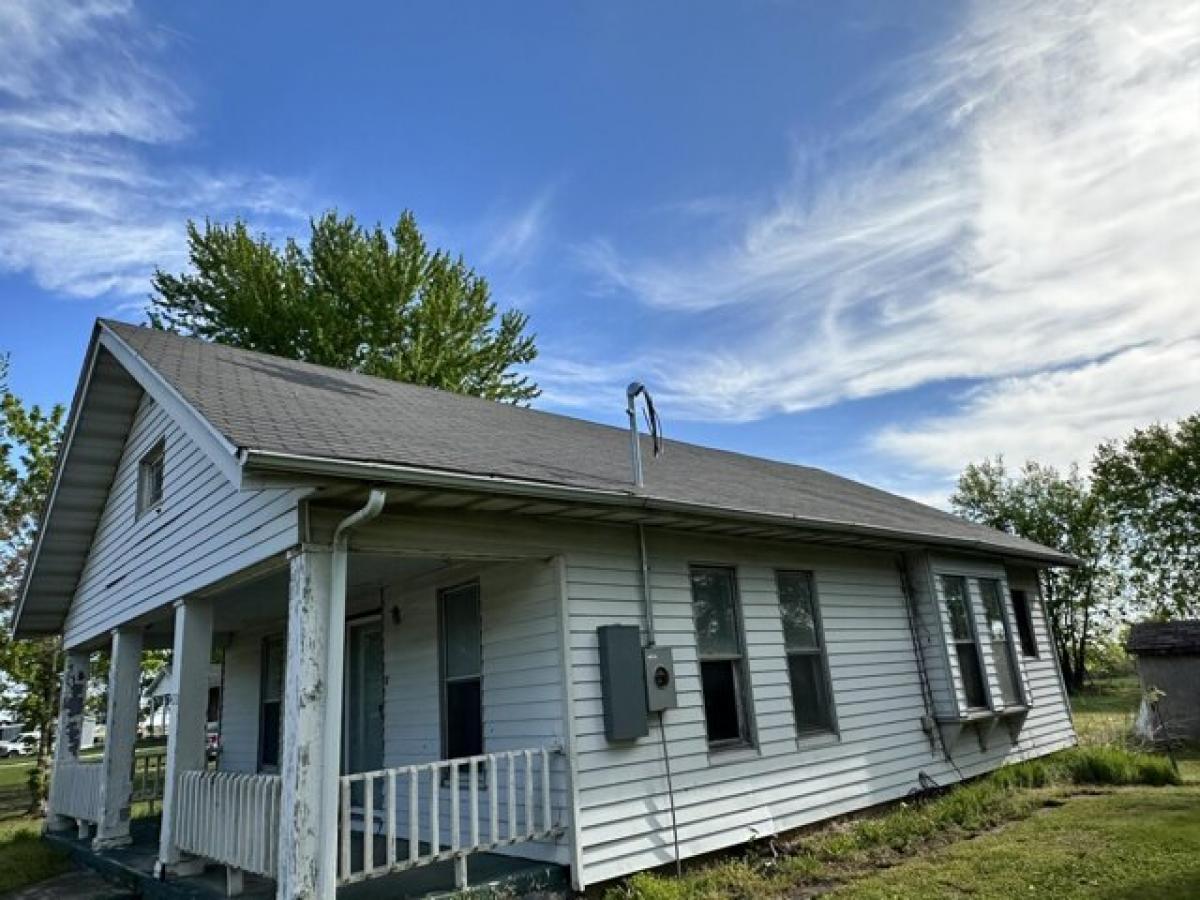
[[422, 476], [334, 681]]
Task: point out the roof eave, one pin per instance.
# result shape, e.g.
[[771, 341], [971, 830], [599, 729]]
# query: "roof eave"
[[278, 462]]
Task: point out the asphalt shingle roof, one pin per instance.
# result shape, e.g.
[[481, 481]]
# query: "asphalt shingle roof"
[[1165, 637], [267, 403]]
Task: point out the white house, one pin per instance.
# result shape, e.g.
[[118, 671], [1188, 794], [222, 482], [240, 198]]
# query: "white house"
[[415, 590]]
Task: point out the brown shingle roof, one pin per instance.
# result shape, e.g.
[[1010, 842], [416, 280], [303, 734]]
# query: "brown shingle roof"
[[267, 403]]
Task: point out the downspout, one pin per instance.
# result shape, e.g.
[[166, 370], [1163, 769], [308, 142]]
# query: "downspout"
[[334, 681]]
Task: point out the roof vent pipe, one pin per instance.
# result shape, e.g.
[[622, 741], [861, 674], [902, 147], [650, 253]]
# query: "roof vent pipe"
[[652, 423]]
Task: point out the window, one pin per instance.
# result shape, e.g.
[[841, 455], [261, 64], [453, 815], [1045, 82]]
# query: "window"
[[150, 478], [719, 646], [1002, 648], [962, 633], [270, 718], [1024, 615], [462, 672], [802, 641]]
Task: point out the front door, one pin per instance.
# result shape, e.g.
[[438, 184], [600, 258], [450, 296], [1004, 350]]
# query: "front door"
[[363, 750]]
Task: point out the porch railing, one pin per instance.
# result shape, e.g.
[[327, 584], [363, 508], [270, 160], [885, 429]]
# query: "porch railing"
[[230, 818], [149, 777], [75, 789], [397, 819]]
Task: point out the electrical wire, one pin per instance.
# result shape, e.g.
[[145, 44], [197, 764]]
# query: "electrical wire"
[[662, 734]]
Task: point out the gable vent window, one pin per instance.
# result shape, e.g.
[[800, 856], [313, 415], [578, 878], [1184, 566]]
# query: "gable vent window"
[[150, 478], [722, 658], [962, 633], [805, 647]]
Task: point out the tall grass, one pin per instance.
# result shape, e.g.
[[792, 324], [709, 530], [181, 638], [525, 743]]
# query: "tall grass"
[[1006, 794]]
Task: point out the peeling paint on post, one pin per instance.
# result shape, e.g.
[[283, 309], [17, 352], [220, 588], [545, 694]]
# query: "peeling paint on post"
[[304, 702], [186, 740], [116, 785], [70, 719]]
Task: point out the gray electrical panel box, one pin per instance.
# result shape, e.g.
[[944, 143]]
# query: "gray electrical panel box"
[[660, 679], [622, 682]]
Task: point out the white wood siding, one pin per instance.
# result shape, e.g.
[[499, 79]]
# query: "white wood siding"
[[724, 799], [721, 799], [240, 702], [205, 530], [522, 676]]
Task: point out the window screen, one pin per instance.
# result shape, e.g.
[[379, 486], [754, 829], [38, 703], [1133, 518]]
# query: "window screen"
[[1003, 653], [462, 672], [1024, 617], [804, 645], [719, 646], [962, 634], [270, 727]]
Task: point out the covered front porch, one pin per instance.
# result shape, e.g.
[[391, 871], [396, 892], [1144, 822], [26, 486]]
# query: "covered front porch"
[[446, 681]]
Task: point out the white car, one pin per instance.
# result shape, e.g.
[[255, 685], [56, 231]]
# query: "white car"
[[15, 748]]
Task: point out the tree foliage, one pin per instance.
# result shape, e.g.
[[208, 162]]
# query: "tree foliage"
[[1150, 484], [368, 300], [29, 441], [1062, 512]]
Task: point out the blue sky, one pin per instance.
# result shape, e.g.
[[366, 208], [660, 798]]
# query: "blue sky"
[[885, 239]]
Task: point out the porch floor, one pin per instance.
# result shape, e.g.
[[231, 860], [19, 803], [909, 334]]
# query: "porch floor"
[[133, 867]]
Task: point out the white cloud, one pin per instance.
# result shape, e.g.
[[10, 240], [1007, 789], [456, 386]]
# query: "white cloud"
[[1027, 201], [515, 237], [83, 101]]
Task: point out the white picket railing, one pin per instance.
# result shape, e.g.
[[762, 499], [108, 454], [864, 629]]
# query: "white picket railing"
[[75, 789], [403, 808], [231, 818]]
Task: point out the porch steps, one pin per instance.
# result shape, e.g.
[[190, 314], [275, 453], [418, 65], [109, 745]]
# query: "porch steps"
[[491, 874]]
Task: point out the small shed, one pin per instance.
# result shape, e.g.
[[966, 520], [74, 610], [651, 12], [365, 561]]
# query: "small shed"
[[1167, 658]]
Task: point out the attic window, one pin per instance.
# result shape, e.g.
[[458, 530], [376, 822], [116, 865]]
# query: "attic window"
[[150, 478]]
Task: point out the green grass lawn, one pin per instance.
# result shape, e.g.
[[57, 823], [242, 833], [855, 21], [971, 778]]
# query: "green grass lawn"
[[24, 857]]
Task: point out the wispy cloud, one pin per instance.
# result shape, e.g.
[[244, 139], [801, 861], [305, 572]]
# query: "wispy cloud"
[[84, 206], [1024, 210], [514, 237]]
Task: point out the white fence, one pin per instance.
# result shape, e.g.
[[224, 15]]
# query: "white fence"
[[417, 815], [75, 789], [149, 776], [230, 818]]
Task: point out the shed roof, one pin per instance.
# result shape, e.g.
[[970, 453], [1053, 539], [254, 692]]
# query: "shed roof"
[[1181, 637]]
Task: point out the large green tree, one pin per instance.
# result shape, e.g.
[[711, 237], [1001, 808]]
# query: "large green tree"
[[29, 440], [1150, 484], [368, 300], [1063, 512]]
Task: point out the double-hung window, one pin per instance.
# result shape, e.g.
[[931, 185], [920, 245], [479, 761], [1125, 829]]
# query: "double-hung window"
[[1024, 617], [722, 657], [462, 671], [962, 634], [804, 644], [1003, 652], [270, 718]]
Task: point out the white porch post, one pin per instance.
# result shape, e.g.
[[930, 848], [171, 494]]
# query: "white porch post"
[[116, 785], [70, 723], [185, 738], [305, 702]]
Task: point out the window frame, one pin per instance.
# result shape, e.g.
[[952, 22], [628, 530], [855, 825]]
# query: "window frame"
[[1026, 632], [822, 651], [973, 640], [443, 679], [264, 644], [1009, 645], [156, 456], [739, 664]]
